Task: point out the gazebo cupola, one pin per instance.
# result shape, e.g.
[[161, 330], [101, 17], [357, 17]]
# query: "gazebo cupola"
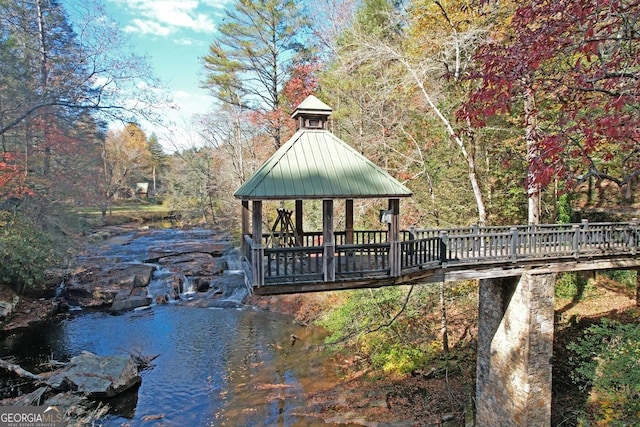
[[311, 114], [313, 164]]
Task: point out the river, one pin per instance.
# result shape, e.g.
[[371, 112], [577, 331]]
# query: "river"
[[215, 366]]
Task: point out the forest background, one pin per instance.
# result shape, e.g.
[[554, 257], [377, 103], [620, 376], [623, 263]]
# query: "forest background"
[[492, 113]]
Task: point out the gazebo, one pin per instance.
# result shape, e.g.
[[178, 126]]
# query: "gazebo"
[[314, 164]]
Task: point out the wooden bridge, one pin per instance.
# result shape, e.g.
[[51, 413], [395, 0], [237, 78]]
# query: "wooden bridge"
[[372, 259], [516, 265]]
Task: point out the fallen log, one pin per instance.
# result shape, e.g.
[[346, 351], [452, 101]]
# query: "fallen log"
[[19, 371]]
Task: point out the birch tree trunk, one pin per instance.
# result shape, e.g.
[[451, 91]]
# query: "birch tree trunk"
[[531, 126]]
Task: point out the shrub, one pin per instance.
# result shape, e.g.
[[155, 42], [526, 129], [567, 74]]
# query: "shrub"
[[607, 362], [26, 251], [626, 278], [400, 359], [572, 286], [380, 325]]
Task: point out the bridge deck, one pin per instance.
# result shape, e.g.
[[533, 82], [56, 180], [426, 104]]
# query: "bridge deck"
[[436, 255]]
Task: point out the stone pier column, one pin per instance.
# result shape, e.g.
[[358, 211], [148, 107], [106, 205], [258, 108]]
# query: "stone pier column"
[[515, 347]]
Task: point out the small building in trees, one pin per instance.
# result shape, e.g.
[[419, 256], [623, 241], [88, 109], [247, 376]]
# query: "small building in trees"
[[315, 165]]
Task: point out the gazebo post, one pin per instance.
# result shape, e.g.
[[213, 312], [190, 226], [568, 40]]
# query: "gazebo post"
[[395, 264], [245, 226], [257, 250], [299, 223], [328, 259], [349, 221]]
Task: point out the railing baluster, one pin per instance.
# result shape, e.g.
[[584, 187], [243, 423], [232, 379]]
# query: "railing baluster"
[[633, 240], [443, 247], [576, 241], [514, 244]]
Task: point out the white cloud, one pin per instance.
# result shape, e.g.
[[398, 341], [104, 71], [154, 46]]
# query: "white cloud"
[[185, 42], [148, 27], [165, 17]]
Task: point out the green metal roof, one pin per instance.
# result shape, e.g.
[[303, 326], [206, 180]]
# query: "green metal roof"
[[315, 164]]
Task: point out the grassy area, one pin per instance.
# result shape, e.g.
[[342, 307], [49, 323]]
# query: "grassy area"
[[124, 213]]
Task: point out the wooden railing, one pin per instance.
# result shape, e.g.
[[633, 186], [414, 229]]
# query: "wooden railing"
[[362, 260], [369, 254], [295, 264], [495, 244]]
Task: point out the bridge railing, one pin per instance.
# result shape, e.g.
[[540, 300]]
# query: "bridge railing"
[[421, 252], [315, 238], [495, 244], [369, 254]]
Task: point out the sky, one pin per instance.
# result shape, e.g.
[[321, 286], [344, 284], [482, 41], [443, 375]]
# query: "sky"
[[175, 35]]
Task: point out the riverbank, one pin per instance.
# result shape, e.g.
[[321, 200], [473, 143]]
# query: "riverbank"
[[427, 397], [363, 396]]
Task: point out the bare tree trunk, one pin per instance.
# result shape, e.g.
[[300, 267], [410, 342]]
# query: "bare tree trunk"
[[19, 371], [44, 83], [154, 182], [475, 185], [444, 326]]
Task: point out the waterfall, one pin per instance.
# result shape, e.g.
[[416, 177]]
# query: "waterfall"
[[232, 263], [186, 287], [60, 289], [167, 286]]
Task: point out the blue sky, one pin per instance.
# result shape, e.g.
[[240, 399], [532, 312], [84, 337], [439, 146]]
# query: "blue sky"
[[175, 35]]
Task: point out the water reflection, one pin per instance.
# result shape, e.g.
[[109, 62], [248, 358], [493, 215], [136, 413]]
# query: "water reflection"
[[214, 366]]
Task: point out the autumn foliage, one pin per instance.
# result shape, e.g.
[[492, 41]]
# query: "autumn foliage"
[[580, 60]]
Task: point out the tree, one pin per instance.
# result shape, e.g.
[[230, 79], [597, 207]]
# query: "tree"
[[158, 161], [126, 158], [384, 51], [569, 73], [59, 82], [53, 67], [193, 189], [252, 58], [229, 131]]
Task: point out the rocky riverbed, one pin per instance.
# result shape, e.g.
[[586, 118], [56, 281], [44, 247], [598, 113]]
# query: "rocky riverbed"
[[125, 268]]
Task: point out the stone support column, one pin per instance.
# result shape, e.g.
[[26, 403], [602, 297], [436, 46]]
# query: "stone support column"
[[515, 349]]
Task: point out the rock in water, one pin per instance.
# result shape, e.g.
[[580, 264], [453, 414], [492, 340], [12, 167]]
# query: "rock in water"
[[130, 303], [98, 376]]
